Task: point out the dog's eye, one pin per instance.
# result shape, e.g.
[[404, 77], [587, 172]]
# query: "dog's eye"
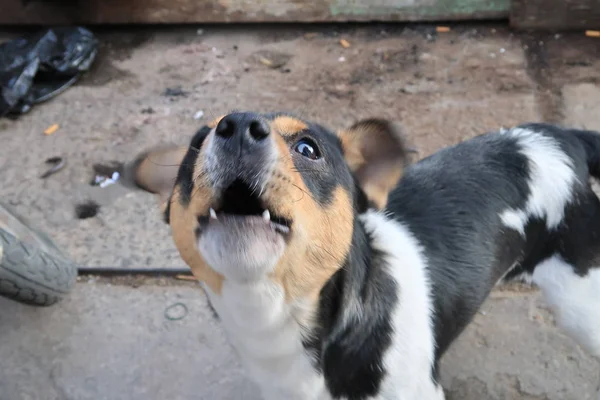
[[308, 149]]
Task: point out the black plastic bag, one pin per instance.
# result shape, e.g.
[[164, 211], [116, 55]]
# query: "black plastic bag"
[[36, 68]]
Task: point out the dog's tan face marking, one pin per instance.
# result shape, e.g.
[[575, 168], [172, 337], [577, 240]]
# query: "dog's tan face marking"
[[183, 219], [183, 224], [288, 126], [321, 234], [303, 176]]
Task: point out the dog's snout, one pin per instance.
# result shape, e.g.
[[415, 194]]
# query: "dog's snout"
[[247, 127], [242, 148]]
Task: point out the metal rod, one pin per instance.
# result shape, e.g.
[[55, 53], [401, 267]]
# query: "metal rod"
[[121, 271]]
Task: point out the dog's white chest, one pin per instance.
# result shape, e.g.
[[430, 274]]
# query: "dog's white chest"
[[264, 331]]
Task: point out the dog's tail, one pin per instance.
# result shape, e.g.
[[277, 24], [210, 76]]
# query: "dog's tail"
[[591, 143], [155, 170]]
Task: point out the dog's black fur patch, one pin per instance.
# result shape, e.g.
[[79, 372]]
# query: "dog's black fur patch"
[[453, 215], [349, 348], [185, 178]]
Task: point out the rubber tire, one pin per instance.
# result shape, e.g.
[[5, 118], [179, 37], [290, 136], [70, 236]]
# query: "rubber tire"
[[33, 270]]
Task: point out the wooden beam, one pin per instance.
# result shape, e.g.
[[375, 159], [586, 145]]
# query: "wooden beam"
[[555, 14], [89, 12]]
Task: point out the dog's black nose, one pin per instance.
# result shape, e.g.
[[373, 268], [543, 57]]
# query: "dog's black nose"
[[243, 125], [242, 148]]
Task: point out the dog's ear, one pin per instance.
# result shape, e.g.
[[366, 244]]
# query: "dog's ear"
[[156, 170], [376, 151]]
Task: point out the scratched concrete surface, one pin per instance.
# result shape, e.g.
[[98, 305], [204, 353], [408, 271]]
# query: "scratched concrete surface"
[[113, 341]]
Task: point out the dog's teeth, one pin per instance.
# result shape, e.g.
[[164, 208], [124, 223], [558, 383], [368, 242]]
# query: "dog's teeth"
[[283, 228], [266, 215], [212, 213]]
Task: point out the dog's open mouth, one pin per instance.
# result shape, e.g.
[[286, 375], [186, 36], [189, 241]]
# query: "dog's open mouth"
[[241, 205]]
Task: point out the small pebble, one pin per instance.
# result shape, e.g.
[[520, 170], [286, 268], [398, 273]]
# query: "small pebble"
[[199, 114], [342, 59]]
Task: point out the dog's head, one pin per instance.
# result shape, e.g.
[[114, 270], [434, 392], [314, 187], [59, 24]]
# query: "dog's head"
[[272, 196]]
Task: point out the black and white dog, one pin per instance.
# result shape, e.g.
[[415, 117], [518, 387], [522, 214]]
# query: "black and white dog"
[[341, 272]]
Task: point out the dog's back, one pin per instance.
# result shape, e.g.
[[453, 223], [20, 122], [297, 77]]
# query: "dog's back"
[[502, 206]]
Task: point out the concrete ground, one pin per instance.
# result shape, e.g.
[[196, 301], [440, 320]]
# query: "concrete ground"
[[111, 339]]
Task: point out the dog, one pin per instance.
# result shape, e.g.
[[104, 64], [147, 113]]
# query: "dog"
[[341, 270]]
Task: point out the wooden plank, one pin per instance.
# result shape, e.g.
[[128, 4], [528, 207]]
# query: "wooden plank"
[[555, 14], [89, 12]]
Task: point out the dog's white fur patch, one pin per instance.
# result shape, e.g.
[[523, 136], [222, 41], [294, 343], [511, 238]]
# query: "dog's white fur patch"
[[551, 180], [575, 300], [408, 362], [265, 332], [241, 251]]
